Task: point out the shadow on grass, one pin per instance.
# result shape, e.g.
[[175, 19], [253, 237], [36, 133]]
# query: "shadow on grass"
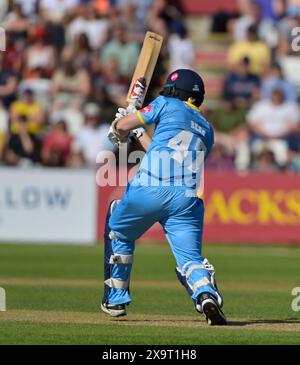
[[189, 322], [264, 321]]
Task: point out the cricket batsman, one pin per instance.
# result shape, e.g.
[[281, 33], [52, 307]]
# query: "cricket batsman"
[[163, 191]]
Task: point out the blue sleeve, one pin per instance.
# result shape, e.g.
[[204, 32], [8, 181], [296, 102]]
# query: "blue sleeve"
[[151, 113], [210, 141]]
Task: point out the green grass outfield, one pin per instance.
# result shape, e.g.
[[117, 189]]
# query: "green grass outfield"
[[53, 295]]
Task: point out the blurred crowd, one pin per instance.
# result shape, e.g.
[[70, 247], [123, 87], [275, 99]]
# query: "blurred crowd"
[[68, 65], [258, 119]]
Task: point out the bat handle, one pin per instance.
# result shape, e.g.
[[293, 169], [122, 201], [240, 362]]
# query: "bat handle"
[[138, 93]]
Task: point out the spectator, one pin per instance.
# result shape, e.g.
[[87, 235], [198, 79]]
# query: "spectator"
[[142, 9], [293, 6], [55, 14], [56, 148], [8, 83], [123, 51], [294, 151], [135, 28], [82, 53], [164, 18], [3, 9], [273, 121], [254, 49], [271, 9], [12, 57], [109, 89], [92, 139], [55, 11], [23, 147], [228, 116], [39, 55], [181, 50], [251, 16], [103, 7], [286, 25], [29, 7], [70, 86], [294, 164], [87, 22], [40, 86], [27, 112], [254, 15], [276, 80], [240, 84], [274, 118], [18, 25], [220, 159], [3, 130], [112, 83], [265, 161], [230, 133]]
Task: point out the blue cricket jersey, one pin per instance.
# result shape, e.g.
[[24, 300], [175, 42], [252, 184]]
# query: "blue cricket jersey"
[[182, 140]]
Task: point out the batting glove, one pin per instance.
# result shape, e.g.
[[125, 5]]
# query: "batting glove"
[[137, 133], [114, 136], [122, 112]]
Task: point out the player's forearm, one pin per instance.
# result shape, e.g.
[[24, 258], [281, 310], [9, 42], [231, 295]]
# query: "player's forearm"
[[145, 141], [127, 123]]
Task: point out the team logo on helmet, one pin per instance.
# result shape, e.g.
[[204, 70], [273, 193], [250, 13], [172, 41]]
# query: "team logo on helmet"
[[196, 88], [174, 76]]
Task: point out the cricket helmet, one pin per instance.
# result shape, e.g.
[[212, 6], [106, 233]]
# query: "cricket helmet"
[[184, 84]]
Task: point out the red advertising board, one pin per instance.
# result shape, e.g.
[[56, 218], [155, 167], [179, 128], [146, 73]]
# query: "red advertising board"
[[207, 7], [238, 208], [252, 208]]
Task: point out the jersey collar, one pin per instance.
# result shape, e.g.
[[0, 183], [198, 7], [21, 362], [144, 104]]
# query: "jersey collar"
[[192, 105]]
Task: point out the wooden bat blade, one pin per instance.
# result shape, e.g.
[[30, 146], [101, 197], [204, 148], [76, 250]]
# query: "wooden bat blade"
[[146, 62]]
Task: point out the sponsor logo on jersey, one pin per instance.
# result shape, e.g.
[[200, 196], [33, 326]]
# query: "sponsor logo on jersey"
[[147, 109]]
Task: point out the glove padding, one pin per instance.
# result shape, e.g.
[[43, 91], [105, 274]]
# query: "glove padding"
[[122, 112], [137, 133], [113, 134]]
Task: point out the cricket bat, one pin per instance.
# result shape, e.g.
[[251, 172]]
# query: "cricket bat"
[[144, 69]]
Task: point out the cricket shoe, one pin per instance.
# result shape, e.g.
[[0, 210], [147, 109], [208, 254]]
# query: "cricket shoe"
[[211, 309], [114, 310]]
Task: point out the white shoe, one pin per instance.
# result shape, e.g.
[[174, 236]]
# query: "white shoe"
[[114, 310]]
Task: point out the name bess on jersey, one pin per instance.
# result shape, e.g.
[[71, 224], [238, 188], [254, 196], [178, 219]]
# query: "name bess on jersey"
[[198, 128], [194, 125], [172, 115]]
